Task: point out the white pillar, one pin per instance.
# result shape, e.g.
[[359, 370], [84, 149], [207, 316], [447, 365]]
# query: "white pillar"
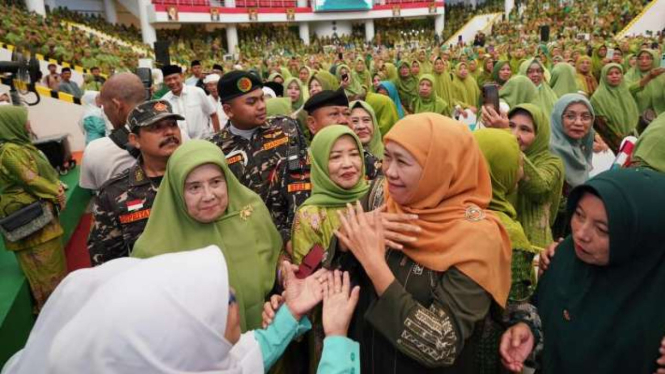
[[36, 6], [232, 38], [369, 30], [302, 3], [508, 7], [230, 3], [303, 28], [147, 30], [110, 12], [439, 24]]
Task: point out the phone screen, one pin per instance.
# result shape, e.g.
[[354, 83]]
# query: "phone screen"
[[610, 54]]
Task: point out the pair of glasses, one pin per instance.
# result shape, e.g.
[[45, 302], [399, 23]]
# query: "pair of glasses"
[[583, 117]]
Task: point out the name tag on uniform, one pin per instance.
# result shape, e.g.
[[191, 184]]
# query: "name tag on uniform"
[[134, 216], [273, 134], [275, 143], [295, 187], [235, 157]]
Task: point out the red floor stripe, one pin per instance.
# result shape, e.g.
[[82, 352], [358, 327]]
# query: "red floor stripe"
[[76, 250]]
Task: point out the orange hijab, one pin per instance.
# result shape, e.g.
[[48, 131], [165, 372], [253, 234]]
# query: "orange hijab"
[[451, 199]]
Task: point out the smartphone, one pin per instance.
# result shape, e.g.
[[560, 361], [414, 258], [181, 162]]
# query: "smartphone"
[[311, 262], [610, 54], [662, 61], [491, 96]]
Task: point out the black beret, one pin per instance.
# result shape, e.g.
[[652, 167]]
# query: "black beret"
[[237, 83], [171, 69], [326, 98]]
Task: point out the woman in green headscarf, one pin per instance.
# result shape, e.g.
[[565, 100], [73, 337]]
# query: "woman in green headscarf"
[[407, 86], [427, 99], [321, 81], [353, 88], [586, 82], [385, 109], [616, 111], [648, 83], [365, 126], [276, 77], [501, 73], [26, 177], [337, 179], [485, 75], [649, 151], [646, 60], [361, 74], [603, 284], [278, 106], [200, 202], [464, 88], [503, 157], [442, 81], [539, 194], [563, 79], [539, 75], [518, 90], [597, 56], [294, 90]]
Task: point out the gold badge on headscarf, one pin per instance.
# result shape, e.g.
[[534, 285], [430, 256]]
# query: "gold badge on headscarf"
[[246, 212], [473, 213]]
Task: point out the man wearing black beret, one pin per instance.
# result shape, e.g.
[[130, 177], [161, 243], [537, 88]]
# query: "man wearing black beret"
[[253, 144]]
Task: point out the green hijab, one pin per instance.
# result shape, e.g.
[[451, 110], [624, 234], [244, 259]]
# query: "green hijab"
[[597, 61], [406, 86], [586, 308], [355, 88], [465, 91], [301, 99], [362, 77], [443, 84], [325, 79], [518, 90], [615, 104], [278, 106], [273, 76], [649, 150], [252, 256], [385, 110], [375, 146], [546, 97], [502, 154], [495, 72], [533, 211], [325, 192], [635, 74], [433, 103], [563, 79]]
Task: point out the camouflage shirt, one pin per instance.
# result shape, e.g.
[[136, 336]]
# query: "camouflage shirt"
[[253, 161], [290, 187], [120, 212]]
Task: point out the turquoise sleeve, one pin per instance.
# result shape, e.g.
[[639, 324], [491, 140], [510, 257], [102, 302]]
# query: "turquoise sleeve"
[[274, 340], [341, 355]]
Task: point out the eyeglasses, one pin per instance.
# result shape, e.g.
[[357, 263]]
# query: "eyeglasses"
[[573, 117]]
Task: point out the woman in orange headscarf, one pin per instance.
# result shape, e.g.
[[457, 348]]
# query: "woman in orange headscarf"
[[419, 306]]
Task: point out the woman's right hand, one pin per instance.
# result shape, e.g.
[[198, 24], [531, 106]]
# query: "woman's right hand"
[[394, 224], [516, 345], [339, 301], [546, 256]]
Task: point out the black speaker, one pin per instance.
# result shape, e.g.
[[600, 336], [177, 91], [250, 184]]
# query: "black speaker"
[[162, 53], [545, 33]]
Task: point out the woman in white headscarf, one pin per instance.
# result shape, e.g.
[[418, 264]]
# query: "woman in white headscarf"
[[92, 121], [176, 314]]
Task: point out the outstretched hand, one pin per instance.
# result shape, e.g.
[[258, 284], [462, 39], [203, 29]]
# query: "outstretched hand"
[[301, 295], [338, 303], [516, 345], [546, 256]]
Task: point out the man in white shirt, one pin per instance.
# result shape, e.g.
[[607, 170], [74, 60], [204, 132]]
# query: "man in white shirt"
[[108, 156], [201, 119], [210, 82], [197, 75]]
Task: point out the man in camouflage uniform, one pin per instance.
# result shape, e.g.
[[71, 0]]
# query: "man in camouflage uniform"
[[122, 208], [291, 186], [253, 144]]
